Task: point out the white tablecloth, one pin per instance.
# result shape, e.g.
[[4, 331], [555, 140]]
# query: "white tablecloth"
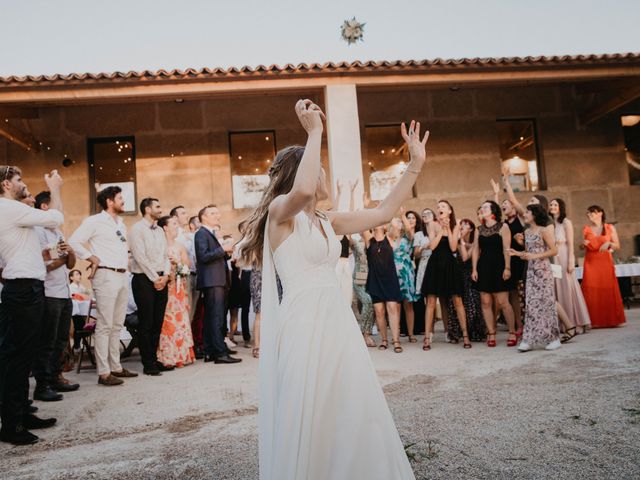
[[622, 270]]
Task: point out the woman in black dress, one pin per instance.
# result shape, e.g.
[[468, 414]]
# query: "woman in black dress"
[[443, 278], [383, 285], [491, 269], [470, 295]]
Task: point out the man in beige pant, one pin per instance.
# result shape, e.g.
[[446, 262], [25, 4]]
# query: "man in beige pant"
[[108, 253]]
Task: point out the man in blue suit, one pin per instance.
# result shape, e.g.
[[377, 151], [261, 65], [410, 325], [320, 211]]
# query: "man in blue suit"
[[211, 259]]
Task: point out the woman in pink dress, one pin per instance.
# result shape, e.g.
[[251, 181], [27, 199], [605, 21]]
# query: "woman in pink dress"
[[568, 292], [176, 341]]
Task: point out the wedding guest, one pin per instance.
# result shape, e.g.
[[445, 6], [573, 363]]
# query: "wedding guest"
[[23, 299], [360, 275], [516, 282], [401, 238], [492, 270], [175, 348], [151, 269], [383, 286], [54, 335], [186, 232], [211, 256], [243, 285], [343, 266], [77, 291], [106, 235], [443, 278], [421, 254], [599, 282], [568, 291], [470, 295], [541, 318]]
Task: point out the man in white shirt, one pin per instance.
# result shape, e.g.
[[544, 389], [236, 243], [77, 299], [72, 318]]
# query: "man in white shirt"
[[106, 236], [54, 338], [22, 299], [151, 269]]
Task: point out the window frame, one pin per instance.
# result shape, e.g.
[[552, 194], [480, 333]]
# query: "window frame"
[[540, 163], [91, 141], [230, 133]]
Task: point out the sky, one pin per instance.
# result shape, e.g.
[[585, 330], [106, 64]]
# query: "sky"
[[64, 36]]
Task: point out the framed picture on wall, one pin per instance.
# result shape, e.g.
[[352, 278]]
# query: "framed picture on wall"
[[248, 190]]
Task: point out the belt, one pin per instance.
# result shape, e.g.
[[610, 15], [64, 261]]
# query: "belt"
[[118, 270]]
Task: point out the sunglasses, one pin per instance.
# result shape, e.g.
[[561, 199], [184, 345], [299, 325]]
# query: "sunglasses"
[[121, 236]]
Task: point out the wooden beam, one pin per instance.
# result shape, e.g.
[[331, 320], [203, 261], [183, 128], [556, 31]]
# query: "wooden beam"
[[18, 112], [136, 91], [619, 99], [18, 137]]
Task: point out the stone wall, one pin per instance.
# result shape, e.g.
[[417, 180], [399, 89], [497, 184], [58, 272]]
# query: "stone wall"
[[583, 166]]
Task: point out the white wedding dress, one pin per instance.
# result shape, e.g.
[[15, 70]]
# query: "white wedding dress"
[[322, 412]]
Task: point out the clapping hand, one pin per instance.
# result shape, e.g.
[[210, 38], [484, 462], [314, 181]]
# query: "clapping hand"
[[310, 115], [339, 185], [417, 147], [353, 185]]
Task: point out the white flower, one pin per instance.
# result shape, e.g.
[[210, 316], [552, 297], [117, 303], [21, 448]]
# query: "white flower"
[[352, 30]]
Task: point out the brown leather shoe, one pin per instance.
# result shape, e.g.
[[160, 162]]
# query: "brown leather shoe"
[[124, 373], [110, 381]]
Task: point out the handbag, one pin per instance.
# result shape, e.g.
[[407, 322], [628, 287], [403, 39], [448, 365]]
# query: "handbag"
[[556, 269]]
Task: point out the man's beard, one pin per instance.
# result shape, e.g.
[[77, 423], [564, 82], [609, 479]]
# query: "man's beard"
[[22, 194]]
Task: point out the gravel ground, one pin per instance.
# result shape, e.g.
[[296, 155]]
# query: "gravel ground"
[[462, 414]]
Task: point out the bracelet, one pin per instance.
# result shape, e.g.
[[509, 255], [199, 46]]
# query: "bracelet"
[[417, 172]]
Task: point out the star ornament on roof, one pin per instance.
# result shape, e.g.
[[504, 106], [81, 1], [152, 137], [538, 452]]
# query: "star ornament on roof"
[[352, 31]]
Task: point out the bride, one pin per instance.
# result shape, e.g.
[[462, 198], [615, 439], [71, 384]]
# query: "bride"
[[322, 412]]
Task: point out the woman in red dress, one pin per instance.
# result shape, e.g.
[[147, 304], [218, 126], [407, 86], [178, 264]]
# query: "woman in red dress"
[[599, 282]]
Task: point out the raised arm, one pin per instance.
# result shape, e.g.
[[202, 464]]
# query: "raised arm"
[[496, 191], [285, 207], [351, 222], [510, 195]]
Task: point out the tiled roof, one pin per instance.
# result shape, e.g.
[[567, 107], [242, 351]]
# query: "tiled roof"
[[328, 68]]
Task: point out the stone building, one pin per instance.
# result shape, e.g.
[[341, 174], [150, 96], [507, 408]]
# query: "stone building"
[[567, 126]]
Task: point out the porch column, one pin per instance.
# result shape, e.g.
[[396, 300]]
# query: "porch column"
[[343, 141]]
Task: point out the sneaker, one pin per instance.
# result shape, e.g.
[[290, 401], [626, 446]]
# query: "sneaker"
[[110, 381], [554, 345], [524, 346], [230, 343]]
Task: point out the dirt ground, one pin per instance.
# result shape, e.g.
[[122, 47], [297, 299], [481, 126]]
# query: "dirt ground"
[[462, 414]]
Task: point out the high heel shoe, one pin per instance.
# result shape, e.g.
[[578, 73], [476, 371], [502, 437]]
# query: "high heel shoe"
[[519, 333], [426, 344], [512, 342], [397, 347], [467, 343], [491, 342]]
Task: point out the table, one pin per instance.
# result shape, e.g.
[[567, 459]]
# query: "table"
[[622, 270]]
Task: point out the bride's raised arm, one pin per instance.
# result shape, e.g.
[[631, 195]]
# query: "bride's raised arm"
[[284, 207], [351, 222]]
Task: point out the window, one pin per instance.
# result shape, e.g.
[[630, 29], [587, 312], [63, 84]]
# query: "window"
[[251, 155], [385, 160], [519, 153], [631, 129], [112, 161]]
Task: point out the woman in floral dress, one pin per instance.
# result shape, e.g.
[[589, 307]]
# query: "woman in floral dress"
[[401, 242], [176, 342], [541, 317]]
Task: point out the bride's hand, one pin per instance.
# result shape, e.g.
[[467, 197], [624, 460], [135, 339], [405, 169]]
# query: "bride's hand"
[[417, 147], [310, 115]]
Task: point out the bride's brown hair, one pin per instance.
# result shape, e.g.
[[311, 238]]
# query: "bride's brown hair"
[[282, 174]]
